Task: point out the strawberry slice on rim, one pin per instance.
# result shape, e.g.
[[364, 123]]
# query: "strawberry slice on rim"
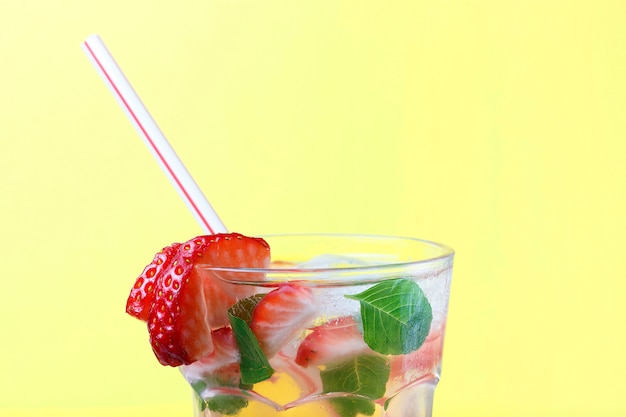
[[186, 297], [141, 296]]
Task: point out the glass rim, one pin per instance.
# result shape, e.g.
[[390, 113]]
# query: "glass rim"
[[272, 274]]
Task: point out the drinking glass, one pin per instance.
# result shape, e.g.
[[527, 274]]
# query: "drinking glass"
[[370, 343]]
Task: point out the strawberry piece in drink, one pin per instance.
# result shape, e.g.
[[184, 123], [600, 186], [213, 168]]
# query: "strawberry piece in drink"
[[281, 315], [332, 341]]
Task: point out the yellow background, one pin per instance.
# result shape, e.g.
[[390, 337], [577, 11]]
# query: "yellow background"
[[497, 127]]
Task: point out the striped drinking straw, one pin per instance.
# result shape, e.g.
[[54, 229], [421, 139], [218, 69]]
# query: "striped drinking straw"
[[152, 136]]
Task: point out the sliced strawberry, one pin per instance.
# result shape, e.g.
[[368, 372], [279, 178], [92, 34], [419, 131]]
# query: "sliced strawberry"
[[230, 251], [332, 341], [281, 315], [187, 297], [142, 294]]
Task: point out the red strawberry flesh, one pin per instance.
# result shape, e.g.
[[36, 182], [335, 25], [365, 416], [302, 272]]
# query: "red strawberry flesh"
[[230, 251]]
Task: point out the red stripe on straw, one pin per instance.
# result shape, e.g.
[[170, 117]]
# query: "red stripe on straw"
[[152, 144]]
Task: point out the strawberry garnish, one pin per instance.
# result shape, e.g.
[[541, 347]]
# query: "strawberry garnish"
[[281, 315], [332, 341], [142, 294], [188, 297], [230, 251], [178, 326]]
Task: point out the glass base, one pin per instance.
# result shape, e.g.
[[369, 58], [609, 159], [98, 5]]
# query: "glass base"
[[413, 401]]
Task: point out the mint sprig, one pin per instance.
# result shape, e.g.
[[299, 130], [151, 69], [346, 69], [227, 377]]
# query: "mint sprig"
[[396, 316], [227, 405], [253, 364], [364, 376]]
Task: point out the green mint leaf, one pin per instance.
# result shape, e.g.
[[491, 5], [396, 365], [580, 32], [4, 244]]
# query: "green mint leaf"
[[352, 407], [227, 405], [243, 308], [396, 316], [253, 363], [365, 376]]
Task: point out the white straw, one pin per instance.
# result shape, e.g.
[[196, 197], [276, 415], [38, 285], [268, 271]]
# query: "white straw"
[[151, 134]]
